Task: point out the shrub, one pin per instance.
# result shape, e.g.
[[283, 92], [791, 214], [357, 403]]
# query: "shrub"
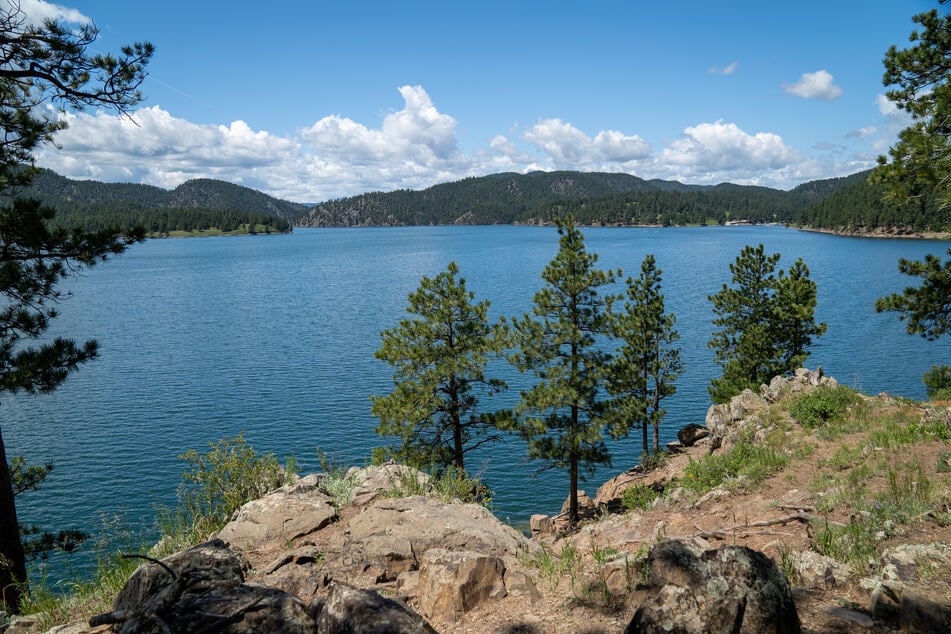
[[218, 483], [639, 497], [753, 463], [937, 382], [823, 405]]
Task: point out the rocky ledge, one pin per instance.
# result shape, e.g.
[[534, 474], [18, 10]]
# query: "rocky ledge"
[[735, 559]]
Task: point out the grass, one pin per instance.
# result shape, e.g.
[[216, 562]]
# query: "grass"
[[744, 465]]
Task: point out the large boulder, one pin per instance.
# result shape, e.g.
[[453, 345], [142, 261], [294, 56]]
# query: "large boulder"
[[732, 589], [286, 514], [350, 610], [391, 535], [202, 589], [452, 583]]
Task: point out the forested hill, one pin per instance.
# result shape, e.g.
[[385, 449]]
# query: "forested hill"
[[594, 198], [859, 207], [194, 206]]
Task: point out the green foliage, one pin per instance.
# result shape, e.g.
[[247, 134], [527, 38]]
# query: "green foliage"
[[639, 497], [449, 485], [648, 362], [562, 415], [439, 359], [765, 322], [920, 163], [591, 198], [937, 381], [338, 483], [745, 464], [926, 306], [219, 482], [822, 405]]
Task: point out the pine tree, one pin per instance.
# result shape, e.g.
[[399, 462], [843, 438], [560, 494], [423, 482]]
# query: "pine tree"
[[765, 322], [927, 307], [562, 415], [41, 64], [439, 360], [647, 363]]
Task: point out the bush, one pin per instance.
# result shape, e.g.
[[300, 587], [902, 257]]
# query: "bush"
[[937, 382], [752, 463], [639, 497], [823, 405], [219, 482]]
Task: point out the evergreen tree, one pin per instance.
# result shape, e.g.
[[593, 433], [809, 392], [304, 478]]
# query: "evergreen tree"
[[927, 307], [765, 322], [563, 416], [921, 75], [40, 64], [647, 363], [439, 358]]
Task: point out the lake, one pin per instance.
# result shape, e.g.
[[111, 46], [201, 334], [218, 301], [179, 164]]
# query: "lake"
[[275, 335]]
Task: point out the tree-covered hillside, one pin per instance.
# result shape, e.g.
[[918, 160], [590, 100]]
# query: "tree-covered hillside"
[[860, 207], [593, 198], [194, 206]]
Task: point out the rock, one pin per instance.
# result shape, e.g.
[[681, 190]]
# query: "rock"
[[909, 609], [517, 583], [586, 506], [718, 420], [452, 583], [745, 403], [691, 433], [776, 389], [208, 561], [541, 526], [288, 513], [731, 589], [818, 571], [850, 617], [207, 593], [377, 481], [392, 534], [349, 610]]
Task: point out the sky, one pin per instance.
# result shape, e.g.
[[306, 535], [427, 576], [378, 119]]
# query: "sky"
[[315, 100]]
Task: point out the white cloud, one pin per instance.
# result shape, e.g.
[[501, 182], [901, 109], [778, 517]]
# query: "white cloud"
[[36, 11], [729, 69], [716, 152], [861, 133], [570, 148], [817, 85], [887, 107], [413, 147]]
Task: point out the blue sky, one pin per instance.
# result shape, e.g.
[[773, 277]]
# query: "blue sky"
[[316, 100]]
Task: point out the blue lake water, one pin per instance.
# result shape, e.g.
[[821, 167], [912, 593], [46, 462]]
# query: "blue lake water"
[[274, 336]]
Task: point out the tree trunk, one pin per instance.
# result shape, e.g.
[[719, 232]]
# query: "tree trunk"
[[573, 496], [12, 563], [456, 425]]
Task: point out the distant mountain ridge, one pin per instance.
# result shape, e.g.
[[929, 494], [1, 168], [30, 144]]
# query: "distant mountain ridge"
[[593, 197], [70, 195]]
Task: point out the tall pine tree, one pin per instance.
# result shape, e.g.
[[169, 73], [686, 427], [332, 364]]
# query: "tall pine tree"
[[439, 360], [647, 363], [562, 416]]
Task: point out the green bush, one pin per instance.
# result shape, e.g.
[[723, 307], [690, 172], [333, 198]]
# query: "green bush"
[[937, 382], [219, 482], [753, 463], [639, 497], [823, 405]]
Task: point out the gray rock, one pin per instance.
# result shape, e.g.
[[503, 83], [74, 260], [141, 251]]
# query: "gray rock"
[[690, 434], [202, 589], [819, 571], [349, 610], [731, 589], [286, 514]]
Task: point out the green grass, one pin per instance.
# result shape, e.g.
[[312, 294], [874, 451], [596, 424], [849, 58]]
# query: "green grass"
[[744, 465]]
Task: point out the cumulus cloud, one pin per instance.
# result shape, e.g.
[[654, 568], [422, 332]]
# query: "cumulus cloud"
[[413, 147], [817, 85], [36, 11], [713, 152], [729, 69], [861, 133], [568, 146]]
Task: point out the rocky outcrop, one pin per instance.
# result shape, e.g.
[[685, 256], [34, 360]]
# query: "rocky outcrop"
[[731, 589], [293, 511], [202, 589], [452, 583], [350, 610]]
